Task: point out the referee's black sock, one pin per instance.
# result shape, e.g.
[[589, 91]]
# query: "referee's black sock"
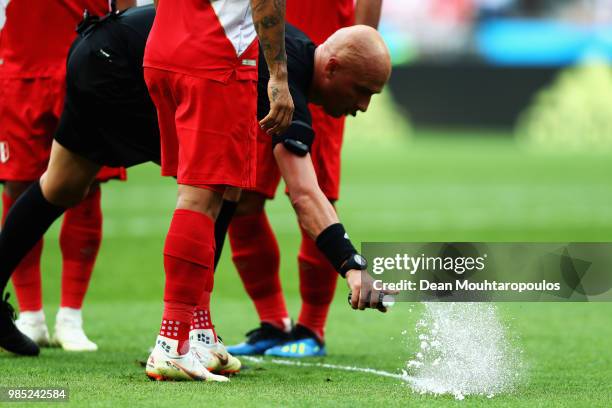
[[221, 225], [27, 221]]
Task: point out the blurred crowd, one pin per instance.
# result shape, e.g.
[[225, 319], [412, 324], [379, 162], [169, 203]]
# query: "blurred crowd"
[[470, 12], [447, 27]]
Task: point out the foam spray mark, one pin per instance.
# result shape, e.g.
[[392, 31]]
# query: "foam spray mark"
[[366, 370], [464, 350]]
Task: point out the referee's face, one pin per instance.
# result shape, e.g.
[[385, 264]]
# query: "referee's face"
[[348, 88]]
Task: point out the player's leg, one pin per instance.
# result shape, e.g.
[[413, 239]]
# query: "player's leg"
[[189, 250], [189, 258], [202, 336], [230, 160], [256, 256], [80, 238], [25, 156], [318, 280], [27, 277], [27, 123], [204, 340], [64, 184], [231, 196], [189, 254]]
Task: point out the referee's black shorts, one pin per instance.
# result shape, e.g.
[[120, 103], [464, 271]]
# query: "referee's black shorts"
[[108, 115]]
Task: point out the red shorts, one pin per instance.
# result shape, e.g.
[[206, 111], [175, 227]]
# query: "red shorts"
[[29, 114], [268, 174], [326, 151], [207, 128], [325, 155]]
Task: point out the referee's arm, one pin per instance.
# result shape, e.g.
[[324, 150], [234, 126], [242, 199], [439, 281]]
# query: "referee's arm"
[[319, 219]]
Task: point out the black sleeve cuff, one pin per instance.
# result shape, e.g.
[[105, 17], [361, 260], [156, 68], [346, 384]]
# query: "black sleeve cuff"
[[297, 139]]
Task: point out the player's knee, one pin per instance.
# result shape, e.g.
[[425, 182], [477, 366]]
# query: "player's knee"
[[199, 200], [63, 193], [15, 188], [250, 203]]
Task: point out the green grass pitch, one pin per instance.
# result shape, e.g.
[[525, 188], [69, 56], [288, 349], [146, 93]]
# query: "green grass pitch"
[[437, 187]]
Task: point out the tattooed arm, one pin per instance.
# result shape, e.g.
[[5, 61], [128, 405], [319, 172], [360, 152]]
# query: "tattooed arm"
[[269, 21], [368, 12], [125, 4]]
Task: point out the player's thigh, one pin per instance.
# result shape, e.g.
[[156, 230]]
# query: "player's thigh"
[[161, 91], [268, 175], [216, 124]]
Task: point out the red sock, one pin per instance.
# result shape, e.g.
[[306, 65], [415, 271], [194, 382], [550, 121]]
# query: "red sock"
[[26, 277], [201, 322], [189, 255], [318, 280], [257, 258], [201, 314], [80, 239]]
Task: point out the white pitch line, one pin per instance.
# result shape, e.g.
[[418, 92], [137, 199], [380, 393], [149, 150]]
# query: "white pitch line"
[[330, 366]]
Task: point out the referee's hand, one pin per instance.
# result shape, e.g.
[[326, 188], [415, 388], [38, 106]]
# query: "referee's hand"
[[363, 294], [281, 107]]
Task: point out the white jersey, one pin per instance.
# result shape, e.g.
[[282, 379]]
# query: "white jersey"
[[210, 38], [3, 4]]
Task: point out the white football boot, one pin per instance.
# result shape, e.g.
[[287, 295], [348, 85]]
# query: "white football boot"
[[69, 333], [166, 364], [33, 325], [213, 352]]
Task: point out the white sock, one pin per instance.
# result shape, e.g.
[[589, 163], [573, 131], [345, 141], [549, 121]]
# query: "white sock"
[[205, 337]]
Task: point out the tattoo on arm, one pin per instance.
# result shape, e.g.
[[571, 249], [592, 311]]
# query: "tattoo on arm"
[[125, 4], [368, 12], [275, 92], [269, 21]]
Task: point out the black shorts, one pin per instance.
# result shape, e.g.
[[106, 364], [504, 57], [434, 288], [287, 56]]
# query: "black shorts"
[[108, 115]]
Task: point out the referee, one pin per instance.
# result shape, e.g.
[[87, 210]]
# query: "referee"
[[109, 119]]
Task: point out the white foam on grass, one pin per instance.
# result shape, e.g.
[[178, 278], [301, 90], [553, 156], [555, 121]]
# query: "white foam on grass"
[[463, 350]]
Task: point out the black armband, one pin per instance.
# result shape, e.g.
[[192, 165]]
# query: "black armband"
[[297, 139], [334, 243]]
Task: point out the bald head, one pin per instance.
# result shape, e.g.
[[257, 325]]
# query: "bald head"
[[362, 49], [351, 66]]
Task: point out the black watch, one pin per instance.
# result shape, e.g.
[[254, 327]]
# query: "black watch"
[[355, 261]]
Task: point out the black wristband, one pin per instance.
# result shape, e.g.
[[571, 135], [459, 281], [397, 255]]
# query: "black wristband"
[[334, 243]]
